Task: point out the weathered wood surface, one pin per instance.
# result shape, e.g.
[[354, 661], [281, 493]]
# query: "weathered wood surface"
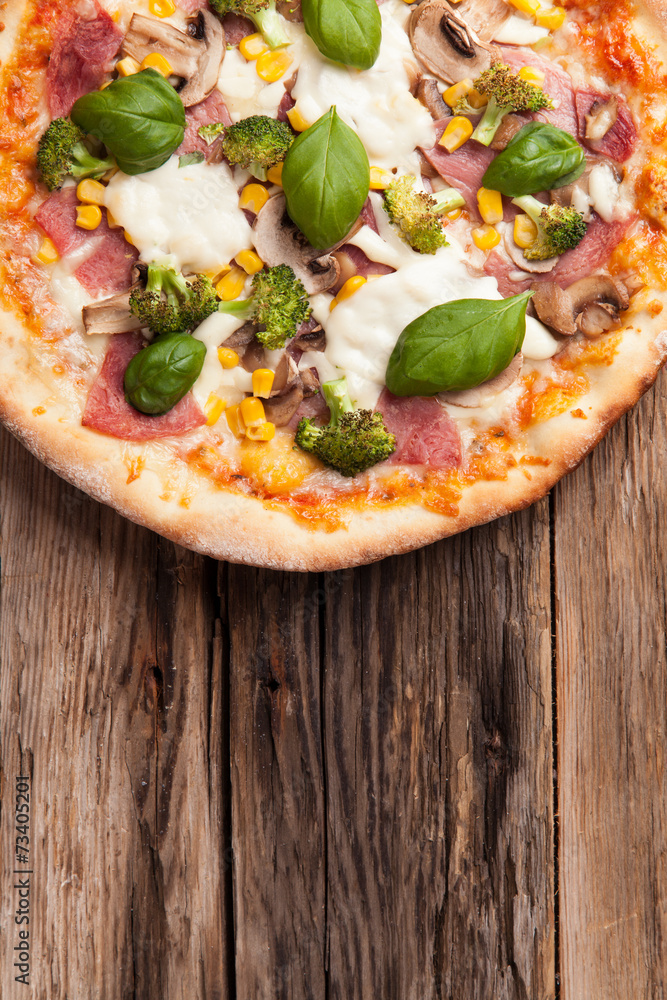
[[249, 785]]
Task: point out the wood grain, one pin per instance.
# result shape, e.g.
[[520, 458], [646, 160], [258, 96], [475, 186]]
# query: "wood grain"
[[438, 760], [611, 576], [113, 697]]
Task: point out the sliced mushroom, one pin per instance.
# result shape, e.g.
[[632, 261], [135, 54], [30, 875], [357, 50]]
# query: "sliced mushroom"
[[195, 56], [485, 17], [280, 409], [485, 392], [310, 381], [279, 241], [601, 119], [519, 258], [110, 315], [246, 345], [429, 95], [286, 375], [592, 305], [509, 127], [446, 44]]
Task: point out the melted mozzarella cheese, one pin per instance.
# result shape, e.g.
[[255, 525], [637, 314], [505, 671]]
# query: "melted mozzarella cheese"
[[519, 30], [230, 383], [245, 92], [376, 103], [191, 213]]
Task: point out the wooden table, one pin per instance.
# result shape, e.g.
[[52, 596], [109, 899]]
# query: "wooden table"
[[441, 777]]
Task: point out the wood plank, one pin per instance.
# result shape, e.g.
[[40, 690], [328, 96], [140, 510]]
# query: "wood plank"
[[439, 775], [277, 783], [117, 709], [611, 585]]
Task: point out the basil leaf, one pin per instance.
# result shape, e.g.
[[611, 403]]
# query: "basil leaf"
[[188, 158], [161, 374], [539, 158], [326, 177], [347, 31], [140, 119], [457, 345]]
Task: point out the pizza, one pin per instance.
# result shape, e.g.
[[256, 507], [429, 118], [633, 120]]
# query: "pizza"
[[307, 284]]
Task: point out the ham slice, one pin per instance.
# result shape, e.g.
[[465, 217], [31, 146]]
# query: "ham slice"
[[192, 6], [363, 265], [108, 411], [314, 407], [82, 55], [107, 257], [286, 104], [236, 28], [592, 253], [425, 434], [557, 84], [464, 168], [208, 112], [620, 141]]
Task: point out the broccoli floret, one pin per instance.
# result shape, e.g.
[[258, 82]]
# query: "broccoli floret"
[[63, 153], [353, 440], [507, 94], [280, 305], [559, 228], [257, 143], [418, 214], [171, 304], [262, 12]]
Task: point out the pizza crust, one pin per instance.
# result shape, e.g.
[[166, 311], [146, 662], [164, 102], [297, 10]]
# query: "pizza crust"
[[245, 529]]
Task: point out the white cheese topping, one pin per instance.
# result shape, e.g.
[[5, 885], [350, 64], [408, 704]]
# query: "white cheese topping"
[[376, 103], [245, 92], [229, 383], [519, 30], [189, 212]]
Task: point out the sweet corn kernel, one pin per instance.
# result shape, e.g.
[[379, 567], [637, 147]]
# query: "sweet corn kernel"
[[272, 65], [275, 174], [235, 420], [351, 286], [477, 100], [47, 253], [161, 8], [88, 216], [128, 238], [249, 261], [456, 134], [490, 206], [297, 121], [525, 231], [458, 90], [127, 66], [526, 6], [486, 237], [252, 411], [157, 61], [552, 18], [253, 46], [253, 197], [380, 179], [115, 16], [91, 192], [227, 357], [231, 286], [265, 432], [111, 222], [262, 382], [214, 408], [453, 216], [532, 75]]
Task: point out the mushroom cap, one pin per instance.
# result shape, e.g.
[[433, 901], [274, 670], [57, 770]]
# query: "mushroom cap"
[[484, 393], [446, 44], [429, 95], [592, 305], [279, 241], [110, 315], [195, 56]]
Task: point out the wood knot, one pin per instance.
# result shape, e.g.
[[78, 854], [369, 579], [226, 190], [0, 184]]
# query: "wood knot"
[[496, 752]]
